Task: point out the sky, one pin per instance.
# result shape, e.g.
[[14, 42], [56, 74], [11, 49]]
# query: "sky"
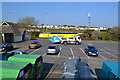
[[102, 14]]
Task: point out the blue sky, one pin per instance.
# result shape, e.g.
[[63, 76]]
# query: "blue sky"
[[103, 14]]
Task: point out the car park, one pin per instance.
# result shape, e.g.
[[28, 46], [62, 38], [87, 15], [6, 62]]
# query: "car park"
[[53, 49], [91, 51], [34, 45], [19, 52], [6, 47]]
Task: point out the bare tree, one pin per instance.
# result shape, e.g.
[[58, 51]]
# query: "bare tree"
[[28, 21]]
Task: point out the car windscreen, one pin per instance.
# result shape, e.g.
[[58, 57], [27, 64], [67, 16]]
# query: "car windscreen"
[[78, 37], [24, 52], [51, 47], [34, 42], [91, 48], [4, 45]]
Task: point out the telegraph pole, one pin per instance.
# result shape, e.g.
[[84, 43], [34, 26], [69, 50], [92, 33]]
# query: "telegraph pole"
[[88, 20], [46, 21]]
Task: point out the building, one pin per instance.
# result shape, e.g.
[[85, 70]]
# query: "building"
[[11, 33]]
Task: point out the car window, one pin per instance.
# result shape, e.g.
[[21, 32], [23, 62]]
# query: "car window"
[[24, 53], [51, 47], [70, 38], [17, 53], [92, 48], [4, 45], [34, 42], [78, 37]]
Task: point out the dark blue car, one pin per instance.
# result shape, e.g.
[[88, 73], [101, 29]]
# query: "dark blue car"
[[4, 55], [6, 47], [91, 51]]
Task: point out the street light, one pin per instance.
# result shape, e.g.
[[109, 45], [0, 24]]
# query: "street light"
[[88, 20], [46, 21]]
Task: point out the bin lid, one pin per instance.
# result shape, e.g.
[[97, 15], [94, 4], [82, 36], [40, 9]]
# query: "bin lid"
[[24, 58], [114, 66], [11, 69]]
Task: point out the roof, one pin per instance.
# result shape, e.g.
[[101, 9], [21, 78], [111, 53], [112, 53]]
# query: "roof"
[[10, 28]]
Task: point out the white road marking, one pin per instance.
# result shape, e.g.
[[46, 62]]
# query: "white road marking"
[[85, 53], [59, 52], [72, 52], [102, 56], [108, 53], [110, 49], [44, 54], [34, 51]]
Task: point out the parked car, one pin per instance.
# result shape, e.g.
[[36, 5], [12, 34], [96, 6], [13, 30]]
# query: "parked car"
[[6, 47], [19, 52], [34, 45], [53, 49], [91, 50], [5, 55]]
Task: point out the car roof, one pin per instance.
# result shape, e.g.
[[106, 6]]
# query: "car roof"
[[53, 45], [18, 51], [90, 46], [35, 42]]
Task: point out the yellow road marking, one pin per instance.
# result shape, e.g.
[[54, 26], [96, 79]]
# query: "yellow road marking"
[[53, 72]]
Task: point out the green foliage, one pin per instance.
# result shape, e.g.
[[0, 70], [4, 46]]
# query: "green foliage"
[[87, 34], [35, 35]]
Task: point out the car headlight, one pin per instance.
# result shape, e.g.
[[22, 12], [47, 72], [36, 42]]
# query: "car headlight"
[[90, 52]]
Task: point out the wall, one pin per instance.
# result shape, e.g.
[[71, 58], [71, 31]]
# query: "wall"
[[27, 37], [17, 38]]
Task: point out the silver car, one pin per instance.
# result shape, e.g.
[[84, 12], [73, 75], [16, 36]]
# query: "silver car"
[[19, 52], [52, 49]]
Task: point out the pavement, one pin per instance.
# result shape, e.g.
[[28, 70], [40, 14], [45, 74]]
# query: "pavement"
[[108, 51]]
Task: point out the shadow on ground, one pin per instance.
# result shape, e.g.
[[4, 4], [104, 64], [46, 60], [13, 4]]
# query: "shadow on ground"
[[46, 69], [98, 73]]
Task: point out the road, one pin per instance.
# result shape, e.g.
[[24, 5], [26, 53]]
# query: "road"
[[108, 51]]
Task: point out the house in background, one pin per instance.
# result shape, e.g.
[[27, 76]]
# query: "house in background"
[[11, 33]]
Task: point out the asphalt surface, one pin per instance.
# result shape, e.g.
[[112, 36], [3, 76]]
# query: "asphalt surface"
[[108, 51]]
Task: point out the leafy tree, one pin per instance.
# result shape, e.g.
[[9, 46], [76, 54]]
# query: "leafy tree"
[[87, 34]]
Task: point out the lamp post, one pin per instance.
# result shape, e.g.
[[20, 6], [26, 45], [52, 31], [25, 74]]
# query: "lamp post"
[[46, 21], [88, 20]]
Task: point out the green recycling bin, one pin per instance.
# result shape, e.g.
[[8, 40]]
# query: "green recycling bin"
[[36, 61], [16, 70]]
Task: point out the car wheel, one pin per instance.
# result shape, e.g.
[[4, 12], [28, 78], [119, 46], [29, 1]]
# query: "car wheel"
[[65, 43], [76, 43]]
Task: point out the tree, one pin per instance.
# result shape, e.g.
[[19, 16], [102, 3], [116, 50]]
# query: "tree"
[[28, 21], [115, 33], [87, 33]]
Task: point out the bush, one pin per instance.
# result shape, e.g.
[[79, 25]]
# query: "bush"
[[35, 34]]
